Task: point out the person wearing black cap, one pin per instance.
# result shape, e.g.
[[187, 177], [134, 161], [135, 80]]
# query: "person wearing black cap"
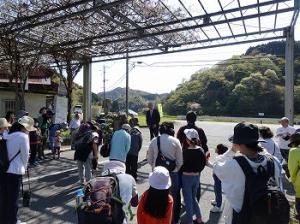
[[293, 165], [245, 140]]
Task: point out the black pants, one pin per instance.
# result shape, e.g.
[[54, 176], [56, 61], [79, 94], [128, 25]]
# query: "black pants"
[[33, 152], [285, 154], [9, 196], [131, 165], [153, 131]]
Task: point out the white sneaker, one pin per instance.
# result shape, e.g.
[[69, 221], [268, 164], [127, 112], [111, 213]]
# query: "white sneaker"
[[216, 209], [213, 202]]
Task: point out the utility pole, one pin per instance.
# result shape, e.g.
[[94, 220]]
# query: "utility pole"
[[104, 82], [127, 81], [104, 97]]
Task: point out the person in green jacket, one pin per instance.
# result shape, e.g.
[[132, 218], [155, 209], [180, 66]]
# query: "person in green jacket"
[[293, 165]]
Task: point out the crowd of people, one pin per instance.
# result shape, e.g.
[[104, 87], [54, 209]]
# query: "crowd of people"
[[242, 171]]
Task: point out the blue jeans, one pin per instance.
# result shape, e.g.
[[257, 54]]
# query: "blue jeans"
[[218, 190], [190, 185], [174, 192]]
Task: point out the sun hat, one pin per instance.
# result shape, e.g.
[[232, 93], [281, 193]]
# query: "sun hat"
[[27, 122], [191, 134], [4, 123], [160, 178], [295, 138], [246, 134]]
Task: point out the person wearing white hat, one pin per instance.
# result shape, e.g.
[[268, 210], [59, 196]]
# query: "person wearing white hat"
[[17, 142], [283, 134], [127, 185], [156, 204], [194, 161]]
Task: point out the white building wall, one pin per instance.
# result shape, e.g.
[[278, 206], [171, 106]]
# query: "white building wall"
[[33, 102]]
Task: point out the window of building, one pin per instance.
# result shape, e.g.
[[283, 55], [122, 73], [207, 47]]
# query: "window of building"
[[9, 105]]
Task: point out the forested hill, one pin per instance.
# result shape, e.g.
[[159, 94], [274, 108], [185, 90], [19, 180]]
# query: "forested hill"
[[243, 85]]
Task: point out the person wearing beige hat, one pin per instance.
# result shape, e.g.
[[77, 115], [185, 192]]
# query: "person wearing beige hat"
[[4, 125], [17, 142], [150, 209]]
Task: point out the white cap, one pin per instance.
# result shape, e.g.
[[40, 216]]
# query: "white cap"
[[191, 134], [284, 119], [126, 127], [160, 178], [27, 122], [114, 166]]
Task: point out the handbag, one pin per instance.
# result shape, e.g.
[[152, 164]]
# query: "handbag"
[[26, 194], [162, 160]]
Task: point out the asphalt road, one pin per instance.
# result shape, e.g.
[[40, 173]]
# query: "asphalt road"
[[54, 182]]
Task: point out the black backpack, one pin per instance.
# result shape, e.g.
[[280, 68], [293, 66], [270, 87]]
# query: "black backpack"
[[83, 146], [263, 202], [4, 161], [102, 202]]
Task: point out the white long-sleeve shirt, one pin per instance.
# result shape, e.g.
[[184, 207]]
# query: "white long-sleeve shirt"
[[233, 182], [17, 141], [169, 147]]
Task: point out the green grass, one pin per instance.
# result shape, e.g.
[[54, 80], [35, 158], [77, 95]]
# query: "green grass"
[[142, 119]]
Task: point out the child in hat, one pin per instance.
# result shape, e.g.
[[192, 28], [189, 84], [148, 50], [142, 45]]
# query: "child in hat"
[[57, 144]]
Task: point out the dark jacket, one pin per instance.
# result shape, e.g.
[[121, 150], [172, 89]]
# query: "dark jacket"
[[136, 141], [181, 136], [154, 119]]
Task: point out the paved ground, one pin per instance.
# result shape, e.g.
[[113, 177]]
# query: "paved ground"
[[54, 182]]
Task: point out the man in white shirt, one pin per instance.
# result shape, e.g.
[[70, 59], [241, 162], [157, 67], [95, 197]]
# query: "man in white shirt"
[[283, 134]]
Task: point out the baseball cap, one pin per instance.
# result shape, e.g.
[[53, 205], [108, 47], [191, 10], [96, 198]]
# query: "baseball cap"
[[246, 134], [4, 123], [27, 122], [160, 178], [126, 127]]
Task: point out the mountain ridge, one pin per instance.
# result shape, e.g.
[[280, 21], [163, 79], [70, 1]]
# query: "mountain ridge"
[[121, 91]]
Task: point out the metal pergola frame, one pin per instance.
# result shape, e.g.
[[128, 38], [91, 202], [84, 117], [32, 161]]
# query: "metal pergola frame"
[[105, 30]]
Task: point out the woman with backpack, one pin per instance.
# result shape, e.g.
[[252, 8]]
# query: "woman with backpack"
[[194, 161], [155, 206], [17, 143], [86, 150]]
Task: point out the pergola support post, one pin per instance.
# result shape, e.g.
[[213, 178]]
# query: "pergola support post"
[[289, 76], [87, 90], [127, 82]]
